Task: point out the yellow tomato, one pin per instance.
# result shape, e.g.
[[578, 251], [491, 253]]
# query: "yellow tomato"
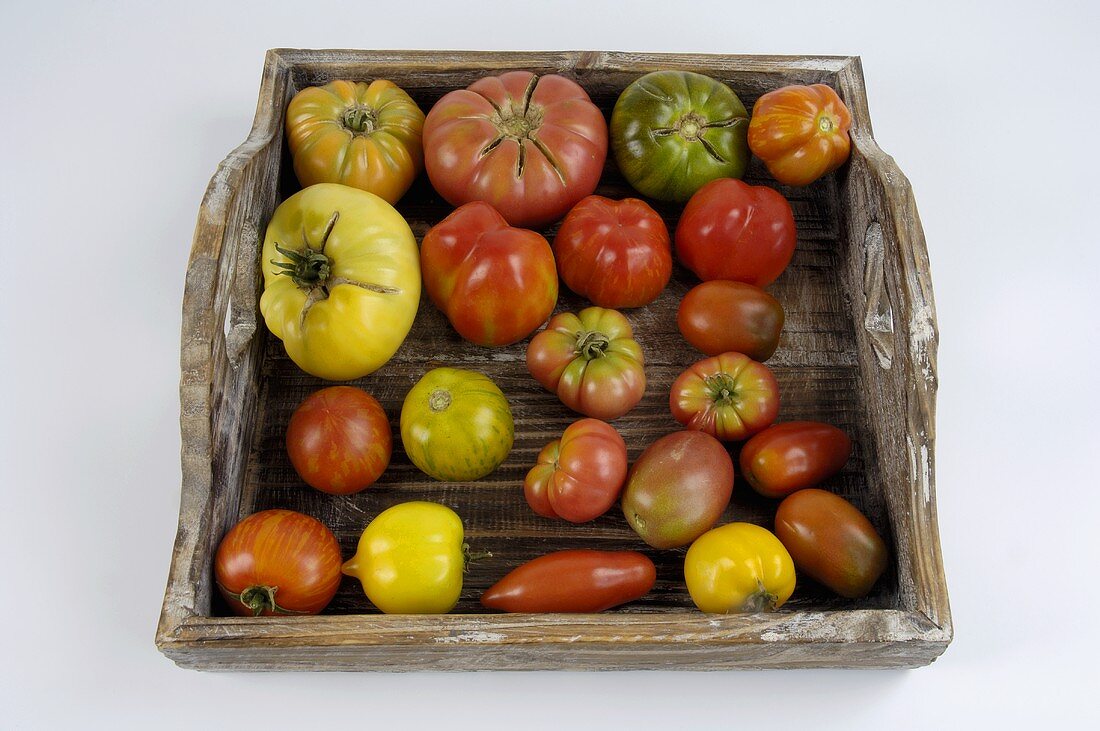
[[341, 280], [365, 136], [410, 559], [739, 567]]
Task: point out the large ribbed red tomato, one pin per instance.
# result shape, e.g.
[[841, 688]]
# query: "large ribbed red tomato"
[[615, 253], [578, 477], [278, 562], [495, 283], [530, 145]]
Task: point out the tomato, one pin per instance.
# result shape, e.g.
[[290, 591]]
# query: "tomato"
[[729, 396], [339, 440], [573, 581], [678, 488], [341, 280], [798, 454], [674, 131], [739, 567], [495, 283], [456, 425], [720, 316], [615, 253], [410, 559], [532, 146], [578, 477], [831, 541], [591, 361], [800, 132], [732, 230], [278, 562], [363, 135]]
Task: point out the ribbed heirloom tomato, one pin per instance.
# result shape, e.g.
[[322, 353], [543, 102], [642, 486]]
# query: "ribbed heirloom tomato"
[[578, 477], [495, 283], [339, 440], [736, 231], [615, 253], [729, 396], [278, 562], [531, 146], [591, 361], [800, 132]]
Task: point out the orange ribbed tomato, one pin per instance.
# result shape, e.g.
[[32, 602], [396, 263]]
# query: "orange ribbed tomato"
[[367, 136], [800, 132]]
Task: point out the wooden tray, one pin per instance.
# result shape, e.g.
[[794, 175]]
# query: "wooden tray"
[[858, 351]]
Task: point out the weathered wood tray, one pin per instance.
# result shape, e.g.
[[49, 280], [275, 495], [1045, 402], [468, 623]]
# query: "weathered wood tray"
[[858, 351]]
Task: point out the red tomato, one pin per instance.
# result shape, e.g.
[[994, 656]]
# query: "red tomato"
[[831, 541], [339, 440], [792, 456], [573, 581], [591, 361], [278, 562], [729, 396], [532, 146], [800, 132], [678, 488], [615, 253], [495, 283], [579, 476], [732, 230], [721, 316]]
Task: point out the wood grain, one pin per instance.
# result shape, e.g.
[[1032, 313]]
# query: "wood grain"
[[858, 351]]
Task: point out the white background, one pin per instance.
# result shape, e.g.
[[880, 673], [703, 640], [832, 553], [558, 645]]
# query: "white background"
[[113, 117]]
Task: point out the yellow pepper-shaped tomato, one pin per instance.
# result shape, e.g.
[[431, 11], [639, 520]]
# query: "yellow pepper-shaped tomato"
[[365, 136], [410, 559], [800, 132], [739, 567], [341, 280]]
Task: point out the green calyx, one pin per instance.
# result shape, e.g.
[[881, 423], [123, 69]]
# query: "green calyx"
[[310, 269], [592, 344], [360, 120], [722, 388], [761, 600]]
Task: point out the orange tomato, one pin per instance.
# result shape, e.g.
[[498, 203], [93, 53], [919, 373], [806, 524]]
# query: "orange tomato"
[[800, 132]]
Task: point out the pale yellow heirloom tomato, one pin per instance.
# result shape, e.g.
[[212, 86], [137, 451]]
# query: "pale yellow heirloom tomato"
[[739, 567], [341, 280], [410, 559]]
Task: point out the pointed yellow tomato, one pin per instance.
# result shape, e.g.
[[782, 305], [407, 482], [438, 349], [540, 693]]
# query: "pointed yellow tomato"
[[738, 567]]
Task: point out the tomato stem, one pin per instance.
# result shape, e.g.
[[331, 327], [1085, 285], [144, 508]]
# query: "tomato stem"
[[722, 388], [469, 556], [359, 119], [761, 600], [591, 344], [310, 269]]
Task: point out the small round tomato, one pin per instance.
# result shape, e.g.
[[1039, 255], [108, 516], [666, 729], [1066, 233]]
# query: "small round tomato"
[[792, 456], [591, 361], [579, 476], [800, 132], [573, 581], [456, 425], [410, 559], [495, 283], [720, 316], [678, 488], [615, 253], [278, 562], [532, 146], [831, 541], [673, 131], [729, 396], [339, 440], [739, 567], [732, 230], [363, 135]]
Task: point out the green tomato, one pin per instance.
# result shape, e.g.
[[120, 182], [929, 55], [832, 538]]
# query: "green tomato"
[[456, 425], [674, 131]]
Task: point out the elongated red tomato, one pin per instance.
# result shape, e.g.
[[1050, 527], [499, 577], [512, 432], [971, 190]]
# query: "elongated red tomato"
[[573, 581], [278, 562], [729, 396], [719, 316], [578, 477], [615, 253], [339, 440], [792, 456]]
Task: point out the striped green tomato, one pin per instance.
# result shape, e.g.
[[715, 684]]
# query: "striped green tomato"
[[456, 425]]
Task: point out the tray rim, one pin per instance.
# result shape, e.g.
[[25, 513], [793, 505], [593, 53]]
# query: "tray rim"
[[184, 634]]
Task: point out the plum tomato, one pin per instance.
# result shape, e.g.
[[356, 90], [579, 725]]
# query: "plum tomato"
[[792, 456], [721, 316], [573, 581], [339, 440]]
